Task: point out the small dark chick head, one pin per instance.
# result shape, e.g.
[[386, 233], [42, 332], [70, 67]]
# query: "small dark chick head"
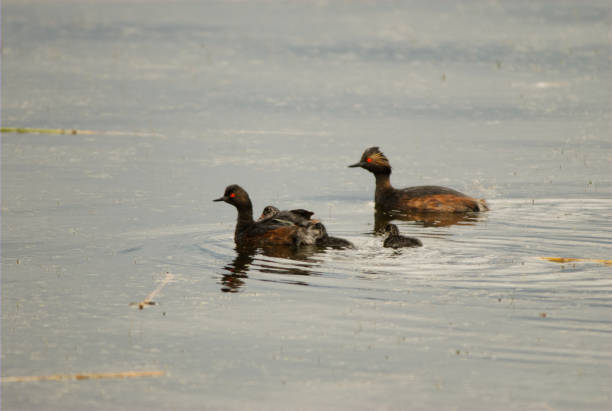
[[391, 229], [394, 240], [269, 211], [325, 240], [374, 161], [235, 195], [320, 229]]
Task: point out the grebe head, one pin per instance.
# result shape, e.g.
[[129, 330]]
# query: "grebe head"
[[320, 229], [391, 229], [269, 211], [374, 161], [236, 196]]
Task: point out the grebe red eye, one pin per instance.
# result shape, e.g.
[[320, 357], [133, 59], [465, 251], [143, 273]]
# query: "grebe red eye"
[[369, 160], [232, 195]]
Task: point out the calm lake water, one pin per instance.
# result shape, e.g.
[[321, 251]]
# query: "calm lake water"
[[508, 101]]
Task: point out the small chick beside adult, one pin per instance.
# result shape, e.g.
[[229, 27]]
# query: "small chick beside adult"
[[395, 240]]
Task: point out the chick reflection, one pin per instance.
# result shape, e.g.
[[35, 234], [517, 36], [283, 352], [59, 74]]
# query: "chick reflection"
[[381, 219], [248, 256]]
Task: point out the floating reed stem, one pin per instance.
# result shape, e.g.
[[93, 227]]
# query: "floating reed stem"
[[27, 130], [149, 298], [577, 260], [84, 376]]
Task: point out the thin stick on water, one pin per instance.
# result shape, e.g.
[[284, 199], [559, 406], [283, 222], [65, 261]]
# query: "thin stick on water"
[[84, 376], [149, 298], [28, 130], [577, 260]]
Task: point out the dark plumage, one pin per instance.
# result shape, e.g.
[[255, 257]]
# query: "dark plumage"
[[326, 240], [298, 216], [268, 211], [421, 198], [301, 217], [395, 240], [269, 231], [275, 227]]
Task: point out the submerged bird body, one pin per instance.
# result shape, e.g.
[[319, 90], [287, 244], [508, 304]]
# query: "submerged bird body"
[[420, 198], [395, 240]]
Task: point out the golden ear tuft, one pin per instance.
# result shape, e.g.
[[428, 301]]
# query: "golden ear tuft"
[[380, 159]]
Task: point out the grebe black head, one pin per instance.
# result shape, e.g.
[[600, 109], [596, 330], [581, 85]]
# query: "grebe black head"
[[374, 161], [236, 196]]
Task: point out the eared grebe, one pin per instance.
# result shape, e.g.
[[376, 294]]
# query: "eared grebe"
[[422, 198], [270, 230], [395, 240]]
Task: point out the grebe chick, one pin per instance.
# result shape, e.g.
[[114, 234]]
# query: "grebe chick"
[[314, 228], [411, 199], [268, 211], [269, 231], [298, 216], [325, 240], [395, 240]]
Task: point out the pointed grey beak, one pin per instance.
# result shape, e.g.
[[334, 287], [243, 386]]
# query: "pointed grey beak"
[[224, 198], [358, 164]]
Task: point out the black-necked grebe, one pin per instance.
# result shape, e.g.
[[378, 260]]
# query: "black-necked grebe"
[[421, 198], [395, 240], [270, 230]]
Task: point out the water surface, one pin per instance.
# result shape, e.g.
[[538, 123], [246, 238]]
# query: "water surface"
[[508, 102]]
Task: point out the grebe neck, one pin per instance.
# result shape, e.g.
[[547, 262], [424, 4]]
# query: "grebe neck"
[[383, 185], [245, 217]]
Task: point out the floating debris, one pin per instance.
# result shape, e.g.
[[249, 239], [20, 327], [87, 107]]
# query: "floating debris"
[[149, 299], [84, 376], [28, 130], [576, 260]]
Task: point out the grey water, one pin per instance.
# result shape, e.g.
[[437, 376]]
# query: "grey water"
[[508, 101]]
